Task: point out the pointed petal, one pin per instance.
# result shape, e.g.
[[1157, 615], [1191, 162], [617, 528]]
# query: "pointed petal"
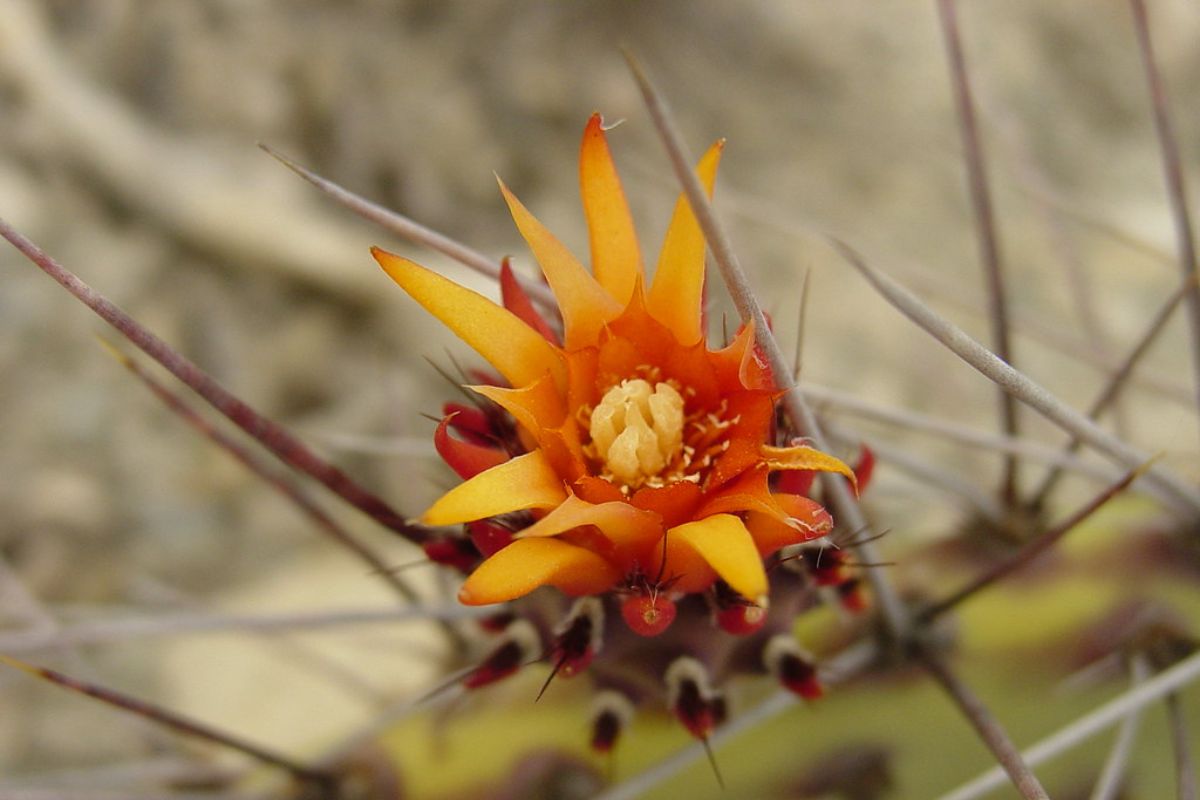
[[528, 564], [585, 305], [805, 458], [536, 405], [675, 503], [755, 370], [488, 537], [467, 459], [725, 545], [523, 482], [750, 491], [470, 423], [804, 521], [597, 490], [676, 295], [616, 257], [797, 481], [512, 347], [753, 415], [622, 524], [542, 415], [513, 295], [731, 362], [865, 467]]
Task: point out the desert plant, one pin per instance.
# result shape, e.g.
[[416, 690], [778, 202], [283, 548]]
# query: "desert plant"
[[999, 603]]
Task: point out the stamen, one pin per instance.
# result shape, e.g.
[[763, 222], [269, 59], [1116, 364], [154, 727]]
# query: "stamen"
[[637, 429]]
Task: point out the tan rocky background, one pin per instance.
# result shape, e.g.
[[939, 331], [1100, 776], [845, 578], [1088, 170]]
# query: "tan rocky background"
[[127, 150]]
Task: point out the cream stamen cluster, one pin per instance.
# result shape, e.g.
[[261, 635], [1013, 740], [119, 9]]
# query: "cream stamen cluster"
[[637, 430]]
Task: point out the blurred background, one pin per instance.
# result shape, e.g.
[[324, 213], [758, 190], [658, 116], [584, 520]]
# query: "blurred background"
[[127, 150]]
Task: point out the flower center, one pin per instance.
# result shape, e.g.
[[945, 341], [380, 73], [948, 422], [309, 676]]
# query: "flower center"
[[637, 429]]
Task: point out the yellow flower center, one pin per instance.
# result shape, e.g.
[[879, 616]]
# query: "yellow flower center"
[[637, 429]]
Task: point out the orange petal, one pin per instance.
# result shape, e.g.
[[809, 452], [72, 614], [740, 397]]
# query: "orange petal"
[[585, 304], [523, 482], [750, 491], [676, 295], [583, 387], [753, 416], [622, 524], [755, 370], [675, 503], [540, 411], [723, 543], [804, 520], [534, 406], [805, 458], [519, 353], [730, 361], [616, 257], [528, 564], [597, 490]]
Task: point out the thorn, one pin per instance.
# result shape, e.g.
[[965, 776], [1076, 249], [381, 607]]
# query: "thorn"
[[1037, 546], [1181, 496], [274, 437], [985, 229], [407, 228], [173, 720], [801, 324], [282, 482], [440, 370], [1173, 170], [546, 684], [712, 761]]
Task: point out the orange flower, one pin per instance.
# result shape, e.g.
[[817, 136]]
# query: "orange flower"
[[646, 455]]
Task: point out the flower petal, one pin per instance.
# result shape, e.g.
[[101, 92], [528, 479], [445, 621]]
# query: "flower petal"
[[526, 481], [512, 347], [675, 503], [528, 564], [723, 543], [513, 295], [805, 520], [541, 413], [749, 491], [585, 304], [803, 457], [755, 370], [470, 423], [676, 295], [616, 257], [533, 406], [630, 529], [752, 414], [465, 458]]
